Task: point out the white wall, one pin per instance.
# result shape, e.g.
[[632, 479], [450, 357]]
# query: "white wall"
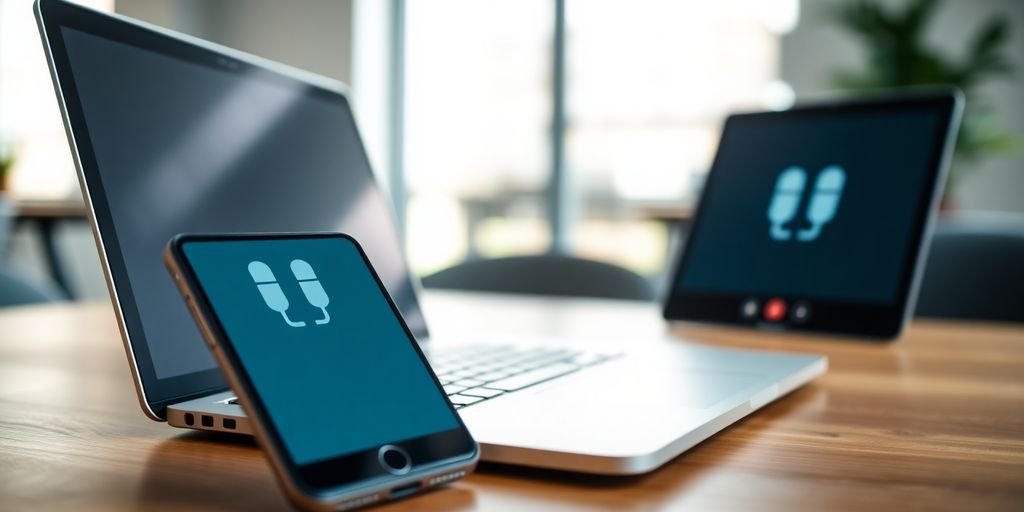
[[315, 35], [816, 48]]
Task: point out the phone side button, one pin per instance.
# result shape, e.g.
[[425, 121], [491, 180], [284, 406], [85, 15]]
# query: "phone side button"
[[192, 306], [208, 336]]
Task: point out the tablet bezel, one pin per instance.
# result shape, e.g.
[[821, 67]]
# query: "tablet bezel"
[[835, 317]]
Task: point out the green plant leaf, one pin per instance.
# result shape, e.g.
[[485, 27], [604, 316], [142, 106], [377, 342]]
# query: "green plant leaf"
[[899, 56], [991, 37], [985, 56], [864, 18], [917, 15]]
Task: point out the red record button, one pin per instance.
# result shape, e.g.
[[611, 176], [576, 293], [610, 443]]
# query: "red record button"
[[775, 310]]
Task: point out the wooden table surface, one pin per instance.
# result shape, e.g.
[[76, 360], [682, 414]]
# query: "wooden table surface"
[[933, 421]]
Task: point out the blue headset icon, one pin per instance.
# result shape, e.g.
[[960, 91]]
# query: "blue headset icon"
[[828, 188], [789, 187], [785, 203], [274, 297], [311, 288]]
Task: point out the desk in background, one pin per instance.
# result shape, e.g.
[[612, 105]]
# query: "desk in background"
[[934, 421], [46, 216]]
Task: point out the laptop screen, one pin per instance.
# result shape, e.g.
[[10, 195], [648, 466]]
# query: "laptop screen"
[[179, 138]]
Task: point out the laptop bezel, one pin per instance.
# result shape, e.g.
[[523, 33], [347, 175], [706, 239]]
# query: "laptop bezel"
[[154, 393]]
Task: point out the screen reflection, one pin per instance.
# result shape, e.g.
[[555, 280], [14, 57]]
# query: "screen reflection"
[[184, 146]]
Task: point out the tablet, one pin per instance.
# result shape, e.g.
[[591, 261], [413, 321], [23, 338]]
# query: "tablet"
[[818, 218]]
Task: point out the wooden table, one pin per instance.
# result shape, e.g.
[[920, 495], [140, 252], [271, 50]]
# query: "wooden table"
[[933, 421]]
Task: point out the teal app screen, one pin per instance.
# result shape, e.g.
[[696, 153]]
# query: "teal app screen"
[[813, 207], [322, 347]]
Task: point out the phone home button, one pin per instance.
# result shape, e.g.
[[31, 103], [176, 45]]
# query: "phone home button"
[[394, 459]]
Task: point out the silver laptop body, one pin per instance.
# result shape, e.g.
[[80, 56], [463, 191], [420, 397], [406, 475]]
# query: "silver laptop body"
[[626, 415], [562, 404]]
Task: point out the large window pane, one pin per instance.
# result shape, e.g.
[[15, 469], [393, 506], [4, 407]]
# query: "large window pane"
[[30, 123], [649, 82], [478, 114]]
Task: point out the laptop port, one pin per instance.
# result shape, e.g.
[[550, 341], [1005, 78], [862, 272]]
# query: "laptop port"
[[190, 419], [207, 420], [405, 490], [228, 423]]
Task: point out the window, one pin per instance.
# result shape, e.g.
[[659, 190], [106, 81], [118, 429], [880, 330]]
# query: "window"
[[477, 124], [647, 84], [30, 122]]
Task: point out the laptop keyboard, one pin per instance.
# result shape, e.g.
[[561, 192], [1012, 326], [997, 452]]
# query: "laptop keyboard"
[[473, 373]]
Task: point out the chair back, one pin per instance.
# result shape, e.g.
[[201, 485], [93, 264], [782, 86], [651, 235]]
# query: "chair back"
[[544, 275], [16, 291], [975, 270]]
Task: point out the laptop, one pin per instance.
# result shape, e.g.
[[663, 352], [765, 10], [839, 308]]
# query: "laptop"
[[174, 134]]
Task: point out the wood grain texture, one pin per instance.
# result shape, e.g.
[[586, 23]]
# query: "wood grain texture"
[[934, 421]]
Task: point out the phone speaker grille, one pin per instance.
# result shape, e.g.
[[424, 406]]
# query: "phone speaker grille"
[[441, 479], [359, 502]]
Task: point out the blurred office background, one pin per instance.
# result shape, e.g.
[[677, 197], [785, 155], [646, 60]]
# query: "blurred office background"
[[512, 127]]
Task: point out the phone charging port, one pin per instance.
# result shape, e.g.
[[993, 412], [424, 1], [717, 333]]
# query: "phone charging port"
[[405, 490]]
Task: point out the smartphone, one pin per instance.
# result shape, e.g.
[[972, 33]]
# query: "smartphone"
[[342, 399]]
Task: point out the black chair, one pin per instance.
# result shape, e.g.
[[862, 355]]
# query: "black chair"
[[16, 291], [544, 275], [975, 270]]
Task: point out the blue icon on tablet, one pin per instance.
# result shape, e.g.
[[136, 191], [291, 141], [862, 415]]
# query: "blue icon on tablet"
[[789, 188], [821, 208], [274, 297]]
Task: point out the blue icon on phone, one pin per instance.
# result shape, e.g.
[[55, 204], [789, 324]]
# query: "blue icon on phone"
[[274, 297], [785, 203], [311, 288]]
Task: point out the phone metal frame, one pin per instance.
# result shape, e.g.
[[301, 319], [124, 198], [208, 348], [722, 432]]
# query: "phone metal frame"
[[303, 494]]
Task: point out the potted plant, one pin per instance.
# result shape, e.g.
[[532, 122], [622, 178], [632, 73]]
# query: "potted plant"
[[898, 56], [6, 207], [6, 163]]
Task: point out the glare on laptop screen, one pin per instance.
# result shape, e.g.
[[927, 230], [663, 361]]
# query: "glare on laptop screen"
[[184, 146]]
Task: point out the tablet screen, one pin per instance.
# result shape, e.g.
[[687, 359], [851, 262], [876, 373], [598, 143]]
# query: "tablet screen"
[[811, 212]]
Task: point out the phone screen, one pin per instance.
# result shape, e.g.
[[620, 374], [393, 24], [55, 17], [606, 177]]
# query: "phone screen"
[[321, 345]]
